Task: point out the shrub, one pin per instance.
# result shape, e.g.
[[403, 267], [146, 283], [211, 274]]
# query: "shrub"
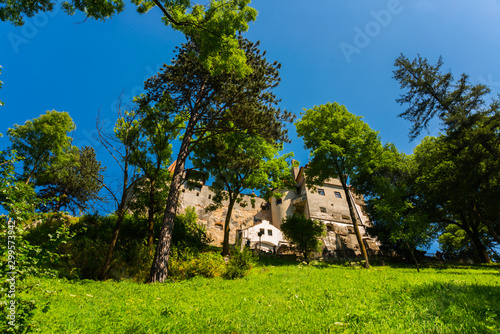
[[239, 264], [191, 263]]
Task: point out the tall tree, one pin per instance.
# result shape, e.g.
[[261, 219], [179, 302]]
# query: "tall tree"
[[239, 162], [151, 151], [213, 103], [61, 173], [42, 142], [450, 188], [341, 145], [471, 120], [462, 108], [213, 27], [400, 222], [119, 145]]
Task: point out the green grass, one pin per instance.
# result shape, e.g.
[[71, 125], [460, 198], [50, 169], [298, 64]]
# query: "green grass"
[[278, 299]]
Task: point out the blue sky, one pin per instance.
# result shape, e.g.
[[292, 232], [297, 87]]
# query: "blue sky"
[[330, 51]]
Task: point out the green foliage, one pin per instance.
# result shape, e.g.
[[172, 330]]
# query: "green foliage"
[[238, 162], [342, 146], [393, 202], [239, 263], [190, 263], [303, 233], [188, 234], [43, 143], [63, 175], [73, 186], [213, 26], [340, 143], [279, 299]]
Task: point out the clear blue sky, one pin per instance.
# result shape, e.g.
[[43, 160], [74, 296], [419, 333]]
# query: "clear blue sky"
[[340, 51]]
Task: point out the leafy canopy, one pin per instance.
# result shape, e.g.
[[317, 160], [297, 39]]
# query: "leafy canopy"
[[42, 142], [340, 143], [213, 27]]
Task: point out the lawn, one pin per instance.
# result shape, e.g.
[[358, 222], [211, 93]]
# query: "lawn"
[[284, 298]]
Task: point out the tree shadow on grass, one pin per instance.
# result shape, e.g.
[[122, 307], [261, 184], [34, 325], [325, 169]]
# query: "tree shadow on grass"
[[473, 307]]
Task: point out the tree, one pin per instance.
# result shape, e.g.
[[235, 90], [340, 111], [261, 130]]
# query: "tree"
[[43, 142], [470, 145], [212, 27], [341, 146], [450, 187], [239, 162], [74, 185], [400, 222], [461, 106], [302, 233], [119, 145], [213, 103], [61, 173], [151, 135]]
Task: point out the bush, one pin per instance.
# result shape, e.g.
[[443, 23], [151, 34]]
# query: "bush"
[[239, 264], [191, 263]]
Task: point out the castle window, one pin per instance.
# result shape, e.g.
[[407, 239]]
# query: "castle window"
[[322, 209], [270, 232], [279, 201], [321, 192], [197, 194], [338, 195], [218, 226], [209, 196]]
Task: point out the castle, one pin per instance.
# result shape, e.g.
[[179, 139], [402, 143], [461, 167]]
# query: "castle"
[[258, 222]]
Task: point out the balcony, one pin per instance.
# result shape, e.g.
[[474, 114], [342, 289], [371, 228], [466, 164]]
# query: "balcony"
[[299, 201]]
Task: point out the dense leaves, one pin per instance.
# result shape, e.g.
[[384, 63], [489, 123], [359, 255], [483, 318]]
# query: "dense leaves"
[[342, 146], [238, 162], [213, 104], [303, 233], [457, 174], [213, 27]]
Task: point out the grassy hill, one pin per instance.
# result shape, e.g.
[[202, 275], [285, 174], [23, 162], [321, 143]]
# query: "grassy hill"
[[280, 298]]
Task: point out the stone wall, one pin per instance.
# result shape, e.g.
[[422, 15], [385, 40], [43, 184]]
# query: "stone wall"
[[242, 216]]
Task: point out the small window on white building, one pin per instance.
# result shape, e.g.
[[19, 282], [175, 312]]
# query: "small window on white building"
[[321, 192], [322, 209], [270, 232], [338, 195], [261, 231]]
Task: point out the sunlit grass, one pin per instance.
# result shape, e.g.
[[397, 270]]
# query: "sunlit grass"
[[279, 299]]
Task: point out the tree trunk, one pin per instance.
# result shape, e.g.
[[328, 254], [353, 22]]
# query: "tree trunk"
[[476, 241], [151, 222], [159, 268], [354, 221], [413, 255], [225, 243]]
